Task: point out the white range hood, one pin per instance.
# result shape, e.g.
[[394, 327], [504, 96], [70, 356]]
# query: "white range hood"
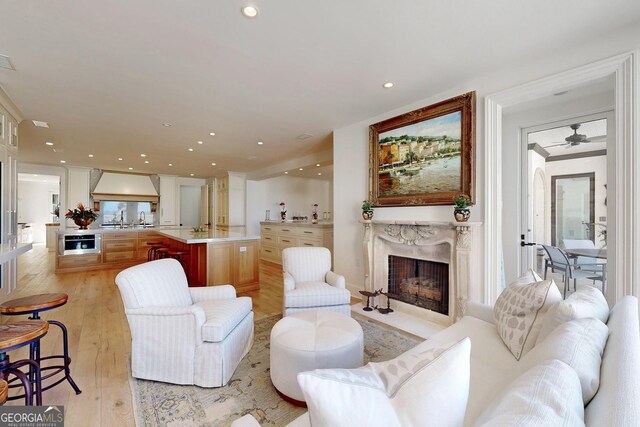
[[125, 187]]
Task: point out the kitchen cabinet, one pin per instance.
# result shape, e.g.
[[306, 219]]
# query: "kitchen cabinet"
[[119, 247], [230, 200], [52, 241], [275, 236], [234, 263], [168, 200]]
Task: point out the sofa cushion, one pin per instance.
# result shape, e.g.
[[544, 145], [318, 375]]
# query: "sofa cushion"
[[519, 313], [223, 316], [316, 294], [491, 361], [384, 394], [579, 343], [546, 395], [587, 301]]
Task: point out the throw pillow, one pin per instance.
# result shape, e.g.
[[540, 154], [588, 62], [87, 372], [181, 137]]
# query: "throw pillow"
[[519, 312], [546, 395], [587, 301], [384, 394], [578, 343]]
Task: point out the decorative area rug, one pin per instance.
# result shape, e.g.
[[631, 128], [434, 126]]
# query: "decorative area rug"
[[250, 389]]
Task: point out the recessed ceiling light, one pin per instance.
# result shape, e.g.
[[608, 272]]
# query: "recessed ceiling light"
[[48, 143], [35, 174], [170, 164], [146, 161], [90, 155], [319, 173], [167, 125], [40, 124], [212, 133], [387, 85], [260, 143], [120, 158], [130, 169], [190, 149], [286, 173], [213, 164], [301, 169], [250, 11], [317, 164], [200, 142], [63, 161], [304, 136], [190, 174], [143, 155]]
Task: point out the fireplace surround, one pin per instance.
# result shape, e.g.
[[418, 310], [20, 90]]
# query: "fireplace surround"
[[447, 243]]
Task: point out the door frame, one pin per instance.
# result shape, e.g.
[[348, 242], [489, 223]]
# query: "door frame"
[[623, 179]]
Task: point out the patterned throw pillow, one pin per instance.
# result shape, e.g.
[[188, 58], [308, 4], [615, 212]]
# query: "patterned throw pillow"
[[519, 313]]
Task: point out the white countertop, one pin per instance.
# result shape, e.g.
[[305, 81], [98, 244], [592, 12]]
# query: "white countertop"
[[212, 236], [8, 251]]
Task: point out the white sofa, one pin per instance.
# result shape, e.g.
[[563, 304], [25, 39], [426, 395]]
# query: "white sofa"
[[493, 367]]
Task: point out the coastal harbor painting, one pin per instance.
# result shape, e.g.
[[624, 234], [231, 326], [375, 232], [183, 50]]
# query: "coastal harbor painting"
[[426, 156]]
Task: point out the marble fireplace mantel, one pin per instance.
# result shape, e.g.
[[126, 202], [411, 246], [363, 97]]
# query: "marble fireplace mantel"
[[447, 242]]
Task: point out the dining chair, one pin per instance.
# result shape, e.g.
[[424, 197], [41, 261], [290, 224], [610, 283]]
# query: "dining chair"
[[559, 262], [586, 263]]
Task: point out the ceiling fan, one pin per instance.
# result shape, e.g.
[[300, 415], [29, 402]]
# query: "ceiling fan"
[[577, 138]]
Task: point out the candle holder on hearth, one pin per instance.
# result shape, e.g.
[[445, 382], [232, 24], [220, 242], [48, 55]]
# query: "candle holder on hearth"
[[368, 295], [388, 309]]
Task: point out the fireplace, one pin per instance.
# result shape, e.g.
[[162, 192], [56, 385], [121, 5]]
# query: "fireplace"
[[432, 262], [419, 282]]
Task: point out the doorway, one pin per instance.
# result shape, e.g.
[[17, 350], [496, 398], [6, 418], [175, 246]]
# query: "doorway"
[[189, 205], [38, 198]]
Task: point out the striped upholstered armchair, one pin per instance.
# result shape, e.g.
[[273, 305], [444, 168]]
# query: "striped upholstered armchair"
[[183, 335], [309, 283]]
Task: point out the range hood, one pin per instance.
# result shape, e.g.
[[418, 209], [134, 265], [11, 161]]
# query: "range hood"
[[126, 187]]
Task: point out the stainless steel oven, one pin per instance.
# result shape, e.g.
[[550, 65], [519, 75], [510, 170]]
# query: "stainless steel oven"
[[77, 244]]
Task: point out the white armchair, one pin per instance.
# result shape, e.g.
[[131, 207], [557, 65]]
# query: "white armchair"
[[183, 335], [309, 283]]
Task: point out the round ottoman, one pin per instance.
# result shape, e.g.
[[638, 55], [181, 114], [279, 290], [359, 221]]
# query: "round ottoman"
[[311, 340]]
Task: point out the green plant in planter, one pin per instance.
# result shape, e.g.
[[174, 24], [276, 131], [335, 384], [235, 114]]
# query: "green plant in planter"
[[461, 210], [367, 210]]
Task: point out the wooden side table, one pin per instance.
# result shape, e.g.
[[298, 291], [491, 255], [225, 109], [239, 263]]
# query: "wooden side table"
[[33, 305], [13, 336]]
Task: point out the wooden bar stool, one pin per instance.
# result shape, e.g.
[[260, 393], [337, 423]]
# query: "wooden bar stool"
[[16, 335], [180, 255], [33, 305], [161, 252], [153, 246]]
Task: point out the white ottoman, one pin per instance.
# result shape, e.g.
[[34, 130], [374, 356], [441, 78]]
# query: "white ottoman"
[[311, 340]]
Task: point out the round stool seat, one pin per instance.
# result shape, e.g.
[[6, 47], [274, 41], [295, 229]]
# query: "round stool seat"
[[34, 303], [17, 334], [312, 340], [4, 392]]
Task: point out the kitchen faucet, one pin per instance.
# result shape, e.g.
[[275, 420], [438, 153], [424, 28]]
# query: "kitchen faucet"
[[143, 218], [122, 219]]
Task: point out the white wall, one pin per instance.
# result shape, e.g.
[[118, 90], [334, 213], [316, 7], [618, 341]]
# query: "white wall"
[[34, 206], [350, 145], [299, 194]]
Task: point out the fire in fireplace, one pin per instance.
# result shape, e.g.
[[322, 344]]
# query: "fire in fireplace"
[[419, 282]]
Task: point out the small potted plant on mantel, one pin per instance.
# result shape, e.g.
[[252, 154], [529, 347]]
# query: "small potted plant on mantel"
[[461, 210], [367, 210]]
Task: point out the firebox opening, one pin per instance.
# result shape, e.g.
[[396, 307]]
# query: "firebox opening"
[[419, 282]]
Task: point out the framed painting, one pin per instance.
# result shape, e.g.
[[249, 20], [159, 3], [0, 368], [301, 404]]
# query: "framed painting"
[[424, 157]]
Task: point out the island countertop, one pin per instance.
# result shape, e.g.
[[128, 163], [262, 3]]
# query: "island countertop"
[[181, 234]]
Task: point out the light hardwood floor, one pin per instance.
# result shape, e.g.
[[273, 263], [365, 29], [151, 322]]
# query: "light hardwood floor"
[[99, 338]]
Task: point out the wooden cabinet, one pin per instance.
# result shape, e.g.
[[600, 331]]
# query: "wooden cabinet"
[[230, 200], [78, 262], [275, 237], [234, 263], [168, 200], [119, 247], [143, 238]]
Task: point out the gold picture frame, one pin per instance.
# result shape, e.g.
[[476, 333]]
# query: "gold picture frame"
[[424, 157]]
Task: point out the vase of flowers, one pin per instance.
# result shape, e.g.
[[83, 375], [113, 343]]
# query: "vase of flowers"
[[283, 211], [314, 214], [461, 210], [367, 210], [82, 216]]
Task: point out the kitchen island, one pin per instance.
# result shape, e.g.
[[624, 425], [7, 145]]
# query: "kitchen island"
[[213, 257]]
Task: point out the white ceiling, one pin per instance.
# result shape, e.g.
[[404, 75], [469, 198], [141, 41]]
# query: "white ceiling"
[[106, 75]]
